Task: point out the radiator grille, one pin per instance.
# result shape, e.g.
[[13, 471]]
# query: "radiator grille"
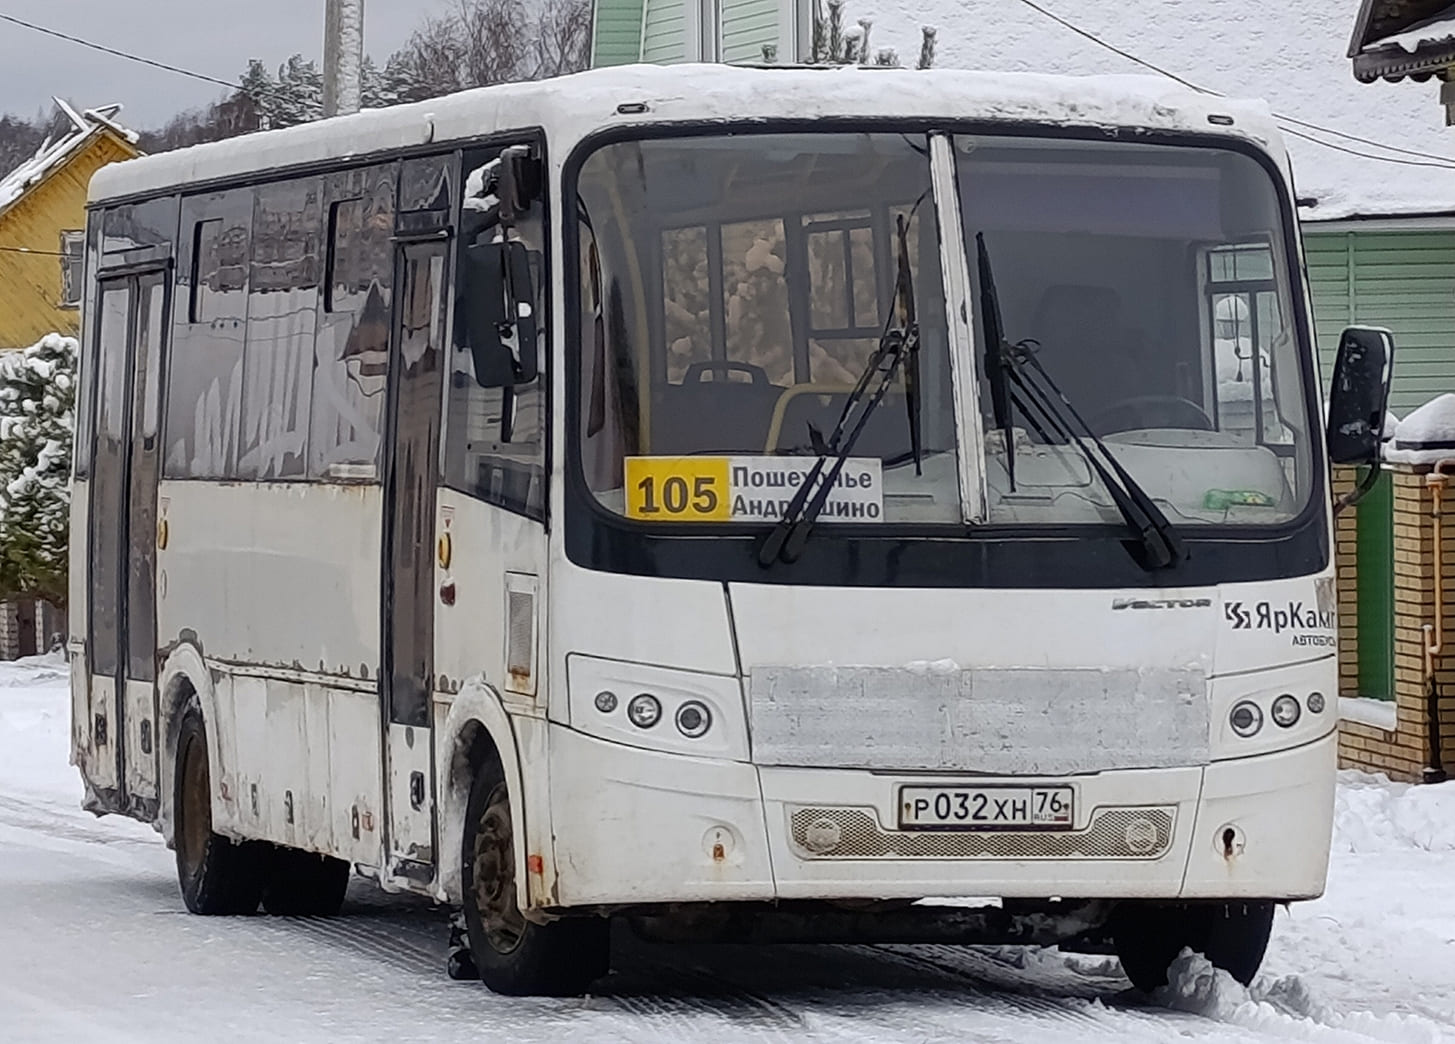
[[1114, 833]]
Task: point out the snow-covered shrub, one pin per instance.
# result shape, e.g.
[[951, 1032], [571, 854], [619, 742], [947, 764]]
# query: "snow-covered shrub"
[[37, 426]]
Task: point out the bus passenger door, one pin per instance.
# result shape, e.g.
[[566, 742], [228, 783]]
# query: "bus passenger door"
[[122, 624], [411, 470]]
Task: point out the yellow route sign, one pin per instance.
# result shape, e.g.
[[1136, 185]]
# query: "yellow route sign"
[[746, 489], [678, 489]]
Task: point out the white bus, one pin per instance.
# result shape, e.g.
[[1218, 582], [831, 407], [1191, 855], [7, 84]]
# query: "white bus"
[[739, 502]]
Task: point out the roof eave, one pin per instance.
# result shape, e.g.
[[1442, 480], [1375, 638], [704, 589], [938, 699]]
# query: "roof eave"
[[1395, 63], [81, 143]]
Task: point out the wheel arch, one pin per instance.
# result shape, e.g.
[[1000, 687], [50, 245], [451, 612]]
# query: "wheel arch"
[[183, 682], [476, 727]]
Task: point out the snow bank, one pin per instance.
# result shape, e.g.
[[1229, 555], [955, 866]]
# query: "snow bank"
[[35, 729], [1426, 436], [1373, 815], [1283, 1007]]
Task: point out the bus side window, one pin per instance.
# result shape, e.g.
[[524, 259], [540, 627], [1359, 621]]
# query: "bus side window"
[[204, 390], [351, 345], [495, 437], [282, 311]]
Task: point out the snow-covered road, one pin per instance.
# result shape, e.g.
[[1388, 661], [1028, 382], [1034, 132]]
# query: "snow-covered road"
[[95, 946]]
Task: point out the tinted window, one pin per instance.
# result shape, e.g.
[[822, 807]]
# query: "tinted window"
[[495, 437], [282, 313], [351, 350], [205, 382]]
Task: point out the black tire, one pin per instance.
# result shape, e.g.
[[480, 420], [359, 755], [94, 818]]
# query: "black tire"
[[218, 876], [302, 884], [515, 956], [1149, 936]]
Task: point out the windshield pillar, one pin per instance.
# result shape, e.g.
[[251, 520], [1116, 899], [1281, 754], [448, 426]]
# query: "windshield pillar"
[[959, 318]]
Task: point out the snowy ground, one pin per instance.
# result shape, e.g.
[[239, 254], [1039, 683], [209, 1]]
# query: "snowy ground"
[[95, 946]]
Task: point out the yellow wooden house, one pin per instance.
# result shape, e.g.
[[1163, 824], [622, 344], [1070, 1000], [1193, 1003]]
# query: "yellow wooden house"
[[43, 221]]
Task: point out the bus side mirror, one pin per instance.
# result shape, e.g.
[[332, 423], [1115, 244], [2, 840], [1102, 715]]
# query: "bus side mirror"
[[1359, 395], [499, 314]]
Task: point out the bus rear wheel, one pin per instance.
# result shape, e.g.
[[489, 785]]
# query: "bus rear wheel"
[[1149, 936], [218, 876], [302, 884], [513, 955]]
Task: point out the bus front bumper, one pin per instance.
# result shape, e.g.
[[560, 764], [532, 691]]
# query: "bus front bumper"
[[636, 826]]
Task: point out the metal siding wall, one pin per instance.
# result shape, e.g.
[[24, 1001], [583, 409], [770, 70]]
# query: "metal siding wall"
[[746, 26], [664, 37], [1327, 257], [617, 32], [1401, 280]]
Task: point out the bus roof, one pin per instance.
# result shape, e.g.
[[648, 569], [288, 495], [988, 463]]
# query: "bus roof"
[[571, 107]]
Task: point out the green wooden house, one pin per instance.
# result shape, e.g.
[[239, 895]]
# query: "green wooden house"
[[667, 31]]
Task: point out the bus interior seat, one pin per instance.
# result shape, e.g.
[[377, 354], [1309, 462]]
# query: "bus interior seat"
[[885, 435], [714, 410]]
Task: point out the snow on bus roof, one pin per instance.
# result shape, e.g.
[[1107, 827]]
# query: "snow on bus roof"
[[573, 106]]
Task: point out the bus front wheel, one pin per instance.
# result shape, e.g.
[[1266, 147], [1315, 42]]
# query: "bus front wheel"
[[1149, 936], [513, 955], [217, 875]]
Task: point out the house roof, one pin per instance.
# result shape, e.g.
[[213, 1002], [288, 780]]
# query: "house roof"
[[1293, 53], [54, 153], [1398, 38]]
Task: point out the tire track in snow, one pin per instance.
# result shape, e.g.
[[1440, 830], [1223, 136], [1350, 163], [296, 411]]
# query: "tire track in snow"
[[1009, 989], [675, 984], [680, 989], [369, 936]]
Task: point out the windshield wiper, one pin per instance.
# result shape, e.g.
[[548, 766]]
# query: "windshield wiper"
[[995, 349], [897, 346], [1017, 365]]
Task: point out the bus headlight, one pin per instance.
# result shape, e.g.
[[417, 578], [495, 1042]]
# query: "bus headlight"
[[693, 719], [1316, 703], [644, 711], [1246, 719], [1286, 711], [660, 709]]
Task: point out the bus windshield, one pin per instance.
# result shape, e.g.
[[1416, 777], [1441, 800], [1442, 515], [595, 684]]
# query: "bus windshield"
[[734, 290]]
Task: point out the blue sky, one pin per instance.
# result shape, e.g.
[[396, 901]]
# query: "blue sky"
[[216, 37]]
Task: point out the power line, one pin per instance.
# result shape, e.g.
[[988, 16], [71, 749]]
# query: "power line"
[[1355, 152], [1424, 159], [117, 53]]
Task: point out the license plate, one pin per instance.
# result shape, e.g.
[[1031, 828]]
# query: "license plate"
[[986, 808]]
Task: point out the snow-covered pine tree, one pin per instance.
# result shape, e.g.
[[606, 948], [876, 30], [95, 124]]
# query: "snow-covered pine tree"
[[374, 89], [258, 84], [300, 92], [37, 426], [402, 82]]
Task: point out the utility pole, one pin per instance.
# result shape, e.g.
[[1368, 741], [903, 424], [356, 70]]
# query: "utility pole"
[[343, 56]]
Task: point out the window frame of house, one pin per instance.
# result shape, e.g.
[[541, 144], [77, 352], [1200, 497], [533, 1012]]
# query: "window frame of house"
[[73, 267]]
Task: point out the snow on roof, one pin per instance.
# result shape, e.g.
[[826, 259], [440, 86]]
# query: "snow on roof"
[[1437, 31], [53, 153], [574, 106], [1293, 53]]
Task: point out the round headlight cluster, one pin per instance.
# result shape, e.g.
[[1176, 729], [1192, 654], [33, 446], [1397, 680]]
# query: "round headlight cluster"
[[693, 718], [1246, 719]]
